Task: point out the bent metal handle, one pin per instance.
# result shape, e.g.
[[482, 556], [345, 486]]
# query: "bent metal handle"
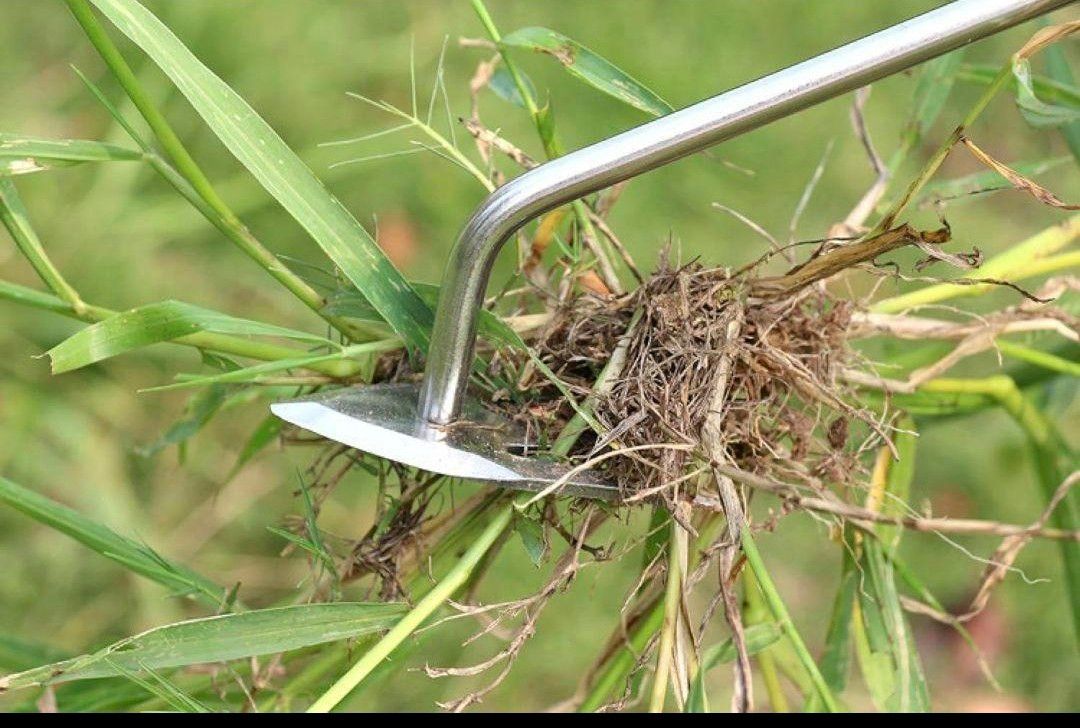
[[669, 138]]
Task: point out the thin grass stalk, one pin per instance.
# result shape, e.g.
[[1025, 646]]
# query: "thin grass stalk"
[[938, 158], [227, 221], [551, 144], [672, 602], [1047, 448], [755, 613], [427, 606], [1039, 358], [16, 219], [622, 662], [620, 665], [783, 618]]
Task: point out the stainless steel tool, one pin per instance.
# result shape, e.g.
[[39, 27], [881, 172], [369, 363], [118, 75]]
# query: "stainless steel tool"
[[435, 427]]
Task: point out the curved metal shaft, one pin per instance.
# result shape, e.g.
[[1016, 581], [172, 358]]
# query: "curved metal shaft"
[[665, 140]]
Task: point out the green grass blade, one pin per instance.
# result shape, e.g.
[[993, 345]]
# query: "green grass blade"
[[758, 637], [415, 618], [783, 618], [24, 155], [932, 91], [153, 324], [502, 85], [156, 685], [266, 432], [135, 556], [1036, 111], [1057, 68], [17, 653], [1048, 89], [836, 658], [219, 639], [16, 219], [253, 373], [279, 170], [198, 411], [589, 67], [888, 658]]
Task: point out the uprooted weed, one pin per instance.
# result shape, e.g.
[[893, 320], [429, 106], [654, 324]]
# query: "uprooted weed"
[[703, 386], [731, 366]]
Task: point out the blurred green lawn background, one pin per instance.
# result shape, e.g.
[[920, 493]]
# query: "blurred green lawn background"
[[123, 239]]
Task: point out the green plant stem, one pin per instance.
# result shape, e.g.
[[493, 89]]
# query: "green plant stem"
[[623, 661], [552, 148], [427, 606], [672, 602], [936, 160], [1049, 453], [754, 612], [465, 528], [17, 220], [1039, 358], [1029, 258], [783, 618], [215, 209], [493, 32], [209, 341], [619, 665]]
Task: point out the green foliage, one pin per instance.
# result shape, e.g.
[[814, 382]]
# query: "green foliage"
[[280, 171], [153, 324], [385, 311], [136, 557], [589, 67], [25, 155], [218, 639], [1038, 112]]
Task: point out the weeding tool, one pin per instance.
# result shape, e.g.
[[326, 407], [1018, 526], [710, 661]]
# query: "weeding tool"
[[435, 426]]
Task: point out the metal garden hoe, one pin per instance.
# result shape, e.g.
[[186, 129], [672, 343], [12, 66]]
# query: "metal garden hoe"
[[435, 426]]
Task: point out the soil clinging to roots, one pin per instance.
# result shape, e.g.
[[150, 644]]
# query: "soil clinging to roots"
[[720, 367]]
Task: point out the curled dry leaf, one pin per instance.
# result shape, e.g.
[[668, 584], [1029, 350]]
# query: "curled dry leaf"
[[1016, 179], [1047, 36]]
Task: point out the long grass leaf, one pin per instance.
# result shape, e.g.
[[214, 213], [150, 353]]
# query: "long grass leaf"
[[219, 639], [836, 658], [757, 636], [279, 170], [254, 372], [502, 85], [156, 685], [18, 653], [24, 155], [1047, 89], [1037, 112], [266, 432], [153, 324], [590, 67], [135, 556]]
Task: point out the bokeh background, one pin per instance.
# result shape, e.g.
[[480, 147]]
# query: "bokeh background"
[[124, 239]]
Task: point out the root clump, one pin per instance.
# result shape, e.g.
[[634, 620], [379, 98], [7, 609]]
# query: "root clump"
[[708, 364]]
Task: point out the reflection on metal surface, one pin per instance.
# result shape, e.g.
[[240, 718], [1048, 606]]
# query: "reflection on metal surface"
[[382, 419]]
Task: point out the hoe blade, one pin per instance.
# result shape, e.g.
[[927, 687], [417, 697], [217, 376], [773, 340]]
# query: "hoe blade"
[[382, 419]]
